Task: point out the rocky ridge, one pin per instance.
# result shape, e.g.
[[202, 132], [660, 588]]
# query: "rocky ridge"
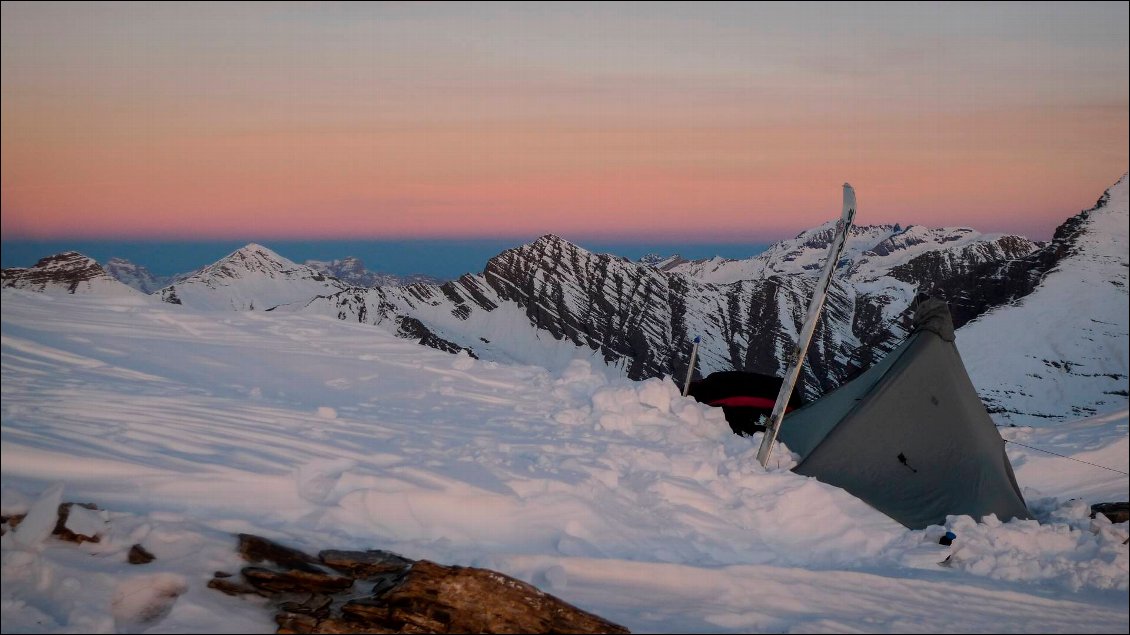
[[68, 272]]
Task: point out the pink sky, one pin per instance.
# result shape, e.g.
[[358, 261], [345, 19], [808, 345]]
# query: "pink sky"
[[669, 121]]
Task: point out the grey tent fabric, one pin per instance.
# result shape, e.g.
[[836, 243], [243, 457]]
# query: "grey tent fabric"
[[910, 436]]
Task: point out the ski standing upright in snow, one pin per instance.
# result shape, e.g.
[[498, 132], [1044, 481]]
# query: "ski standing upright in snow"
[[690, 367], [796, 359]]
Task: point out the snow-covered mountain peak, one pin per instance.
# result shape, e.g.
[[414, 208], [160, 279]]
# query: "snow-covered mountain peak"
[[920, 234], [545, 244], [1113, 193], [801, 255], [669, 263], [1070, 357], [654, 259], [252, 277], [549, 240], [821, 235], [254, 257], [1103, 233], [549, 252], [870, 252], [351, 264], [556, 244], [67, 272], [134, 275], [351, 270], [67, 260]]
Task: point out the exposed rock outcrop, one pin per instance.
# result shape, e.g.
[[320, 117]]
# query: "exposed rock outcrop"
[[382, 592]]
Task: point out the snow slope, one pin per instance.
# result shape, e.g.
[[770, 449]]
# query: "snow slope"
[[187, 425], [1061, 352]]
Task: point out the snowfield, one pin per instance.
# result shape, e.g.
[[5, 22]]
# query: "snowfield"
[[186, 426]]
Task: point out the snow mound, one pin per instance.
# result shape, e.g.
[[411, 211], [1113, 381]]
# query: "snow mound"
[[140, 602], [1068, 549]]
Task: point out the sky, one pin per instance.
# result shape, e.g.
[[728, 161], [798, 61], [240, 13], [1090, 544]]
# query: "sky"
[[611, 121]]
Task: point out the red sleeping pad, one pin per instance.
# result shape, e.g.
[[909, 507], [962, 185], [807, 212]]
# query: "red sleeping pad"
[[745, 398]]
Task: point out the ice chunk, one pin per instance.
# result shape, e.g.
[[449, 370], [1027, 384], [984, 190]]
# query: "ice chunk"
[[40, 520], [85, 522]]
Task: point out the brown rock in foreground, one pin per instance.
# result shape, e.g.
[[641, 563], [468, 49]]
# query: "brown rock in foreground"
[[382, 592], [442, 599], [139, 555], [256, 549], [1116, 512]]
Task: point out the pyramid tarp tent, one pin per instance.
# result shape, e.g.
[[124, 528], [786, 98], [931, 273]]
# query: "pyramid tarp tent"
[[910, 436]]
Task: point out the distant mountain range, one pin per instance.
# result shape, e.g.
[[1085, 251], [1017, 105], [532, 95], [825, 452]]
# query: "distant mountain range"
[[352, 271], [643, 317], [550, 301]]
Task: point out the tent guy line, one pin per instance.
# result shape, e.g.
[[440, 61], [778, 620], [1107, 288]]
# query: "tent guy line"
[[1066, 457]]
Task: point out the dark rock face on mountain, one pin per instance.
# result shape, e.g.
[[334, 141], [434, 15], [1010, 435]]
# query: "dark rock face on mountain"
[[752, 324], [979, 276], [645, 319], [601, 302], [68, 272], [984, 276], [413, 329]]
